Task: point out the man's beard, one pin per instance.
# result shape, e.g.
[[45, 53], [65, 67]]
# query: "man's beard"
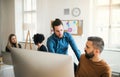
[[90, 55]]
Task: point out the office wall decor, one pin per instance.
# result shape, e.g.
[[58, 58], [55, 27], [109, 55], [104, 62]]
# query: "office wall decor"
[[76, 12], [74, 27]]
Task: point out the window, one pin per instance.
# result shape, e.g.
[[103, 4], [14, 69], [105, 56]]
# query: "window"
[[107, 21], [30, 20]]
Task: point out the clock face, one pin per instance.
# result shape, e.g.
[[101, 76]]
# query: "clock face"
[[76, 12]]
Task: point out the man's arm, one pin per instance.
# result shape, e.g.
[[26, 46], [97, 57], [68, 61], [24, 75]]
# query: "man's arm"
[[107, 73], [50, 45], [74, 47]]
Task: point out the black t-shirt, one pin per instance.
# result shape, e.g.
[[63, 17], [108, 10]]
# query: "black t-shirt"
[[42, 48], [13, 45]]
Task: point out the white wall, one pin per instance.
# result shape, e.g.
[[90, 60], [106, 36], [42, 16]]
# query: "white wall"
[[42, 17], [0, 28], [18, 19], [50, 9], [7, 20]]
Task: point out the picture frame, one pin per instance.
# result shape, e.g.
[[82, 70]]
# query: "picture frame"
[[74, 27]]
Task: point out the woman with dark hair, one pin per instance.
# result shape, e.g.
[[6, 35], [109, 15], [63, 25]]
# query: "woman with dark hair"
[[12, 42], [38, 40]]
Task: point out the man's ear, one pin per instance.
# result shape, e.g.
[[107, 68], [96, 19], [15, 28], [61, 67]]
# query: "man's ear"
[[97, 50]]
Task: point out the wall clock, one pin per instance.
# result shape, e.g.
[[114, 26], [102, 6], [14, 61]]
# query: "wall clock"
[[76, 12]]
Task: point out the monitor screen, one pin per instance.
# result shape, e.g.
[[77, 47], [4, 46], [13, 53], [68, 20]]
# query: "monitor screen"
[[30, 63]]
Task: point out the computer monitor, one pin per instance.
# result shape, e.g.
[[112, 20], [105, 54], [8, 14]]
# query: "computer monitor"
[[30, 63]]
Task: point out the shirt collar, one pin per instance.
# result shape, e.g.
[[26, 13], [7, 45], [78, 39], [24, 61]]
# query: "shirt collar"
[[54, 35]]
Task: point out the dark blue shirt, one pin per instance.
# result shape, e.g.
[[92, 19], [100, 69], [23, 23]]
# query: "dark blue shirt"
[[60, 45]]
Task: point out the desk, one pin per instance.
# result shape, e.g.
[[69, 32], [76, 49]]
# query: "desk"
[[6, 70], [116, 74], [115, 70]]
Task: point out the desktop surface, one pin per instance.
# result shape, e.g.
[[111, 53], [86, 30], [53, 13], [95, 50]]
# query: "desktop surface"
[[6, 70]]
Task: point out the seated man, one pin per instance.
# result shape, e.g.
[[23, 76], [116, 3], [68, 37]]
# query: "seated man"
[[90, 64]]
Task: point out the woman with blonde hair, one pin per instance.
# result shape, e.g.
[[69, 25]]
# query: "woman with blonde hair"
[[12, 42]]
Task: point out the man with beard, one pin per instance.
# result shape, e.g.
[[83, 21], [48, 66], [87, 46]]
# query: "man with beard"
[[90, 64]]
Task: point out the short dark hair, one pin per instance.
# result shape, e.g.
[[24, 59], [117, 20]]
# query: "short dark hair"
[[57, 22], [38, 38], [97, 42]]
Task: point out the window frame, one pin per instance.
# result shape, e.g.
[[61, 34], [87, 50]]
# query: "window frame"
[[30, 19], [109, 27]]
